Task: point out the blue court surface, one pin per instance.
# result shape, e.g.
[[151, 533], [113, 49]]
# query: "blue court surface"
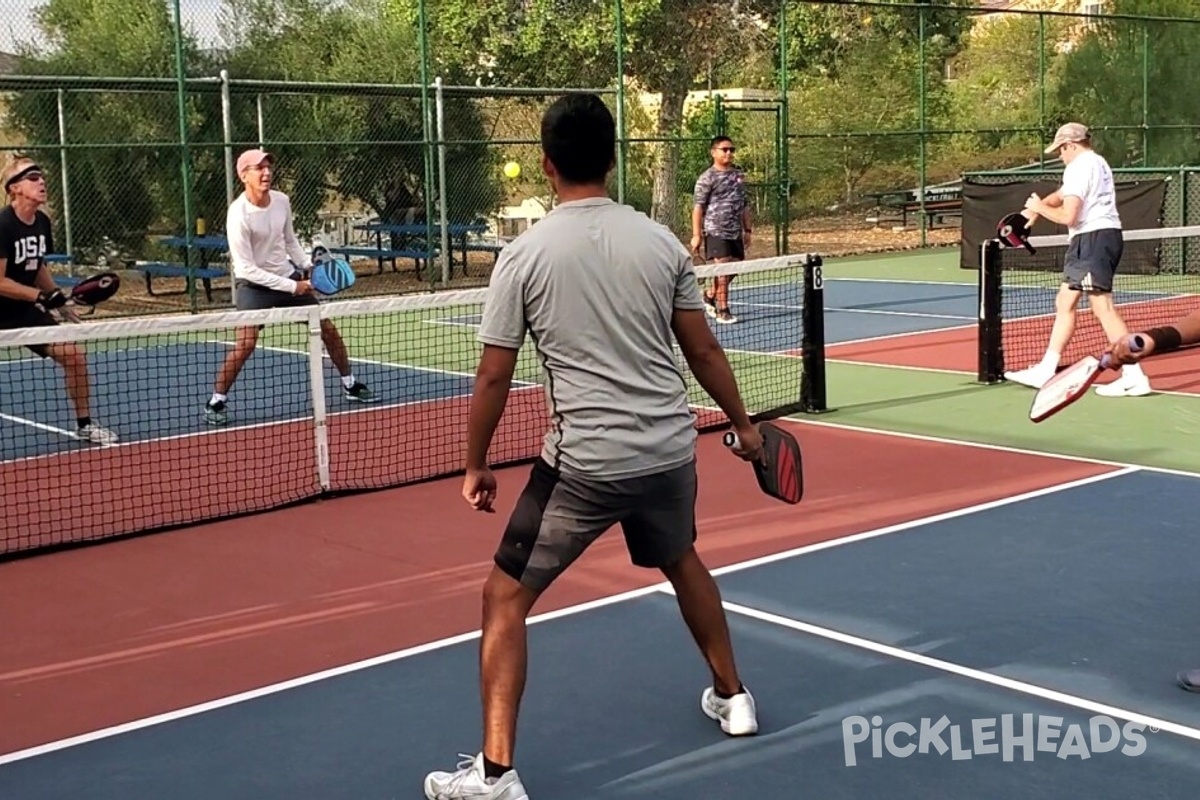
[[155, 392], [1021, 649], [159, 392]]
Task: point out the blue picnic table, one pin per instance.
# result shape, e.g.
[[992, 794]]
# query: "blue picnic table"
[[206, 244], [408, 240]]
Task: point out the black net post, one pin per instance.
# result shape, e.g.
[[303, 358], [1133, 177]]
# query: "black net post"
[[812, 380], [991, 318]]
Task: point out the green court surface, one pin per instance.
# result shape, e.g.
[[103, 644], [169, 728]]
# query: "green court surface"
[[1147, 431]]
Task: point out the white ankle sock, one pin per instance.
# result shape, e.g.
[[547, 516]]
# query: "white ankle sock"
[[1132, 371], [1050, 360], [348, 380]]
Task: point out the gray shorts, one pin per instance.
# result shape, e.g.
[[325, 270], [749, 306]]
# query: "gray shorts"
[[558, 516], [252, 297], [1092, 260]]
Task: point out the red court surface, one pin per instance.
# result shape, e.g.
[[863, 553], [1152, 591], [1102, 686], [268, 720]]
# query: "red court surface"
[[958, 351], [116, 632]]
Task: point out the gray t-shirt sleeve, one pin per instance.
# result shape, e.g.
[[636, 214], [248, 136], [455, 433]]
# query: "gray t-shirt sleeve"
[[503, 322], [687, 288]]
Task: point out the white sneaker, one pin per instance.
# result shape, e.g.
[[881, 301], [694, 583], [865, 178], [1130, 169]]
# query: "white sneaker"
[[95, 434], [1035, 376], [468, 782], [1126, 386], [737, 715]]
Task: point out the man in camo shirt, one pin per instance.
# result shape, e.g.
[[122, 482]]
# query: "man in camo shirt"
[[721, 215]]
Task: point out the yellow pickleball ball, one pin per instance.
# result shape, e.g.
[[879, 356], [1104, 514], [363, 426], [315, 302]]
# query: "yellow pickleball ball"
[[512, 169]]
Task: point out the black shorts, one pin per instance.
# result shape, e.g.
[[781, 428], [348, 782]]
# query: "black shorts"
[[27, 315], [558, 516], [252, 297], [1092, 260], [716, 247]]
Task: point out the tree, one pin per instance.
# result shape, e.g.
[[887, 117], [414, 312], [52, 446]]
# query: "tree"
[[1104, 76], [857, 74], [117, 192], [821, 36], [999, 82], [366, 145], [669, 46]]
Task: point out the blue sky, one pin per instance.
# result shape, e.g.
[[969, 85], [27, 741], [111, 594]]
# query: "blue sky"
[[16, 20]]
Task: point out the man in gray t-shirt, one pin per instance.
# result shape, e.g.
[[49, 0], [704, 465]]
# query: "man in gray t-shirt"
[[599, 289]]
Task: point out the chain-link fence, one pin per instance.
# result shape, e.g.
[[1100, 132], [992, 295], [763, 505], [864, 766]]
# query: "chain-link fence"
[[404, 136]]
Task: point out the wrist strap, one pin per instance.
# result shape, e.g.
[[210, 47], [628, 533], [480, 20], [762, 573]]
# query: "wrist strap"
[[1166, 338]]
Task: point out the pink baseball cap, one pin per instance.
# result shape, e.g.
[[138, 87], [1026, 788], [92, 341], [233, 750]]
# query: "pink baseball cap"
[[252, 158], [1071, 132]]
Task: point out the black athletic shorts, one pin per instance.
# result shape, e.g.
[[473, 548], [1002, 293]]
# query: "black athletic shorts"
[[253, 297], [1092, 260], [27, 315], [716, 247], [558, 516]]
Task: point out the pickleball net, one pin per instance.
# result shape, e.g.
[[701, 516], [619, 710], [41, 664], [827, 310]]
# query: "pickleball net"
[[1158, 281], [291, 433]]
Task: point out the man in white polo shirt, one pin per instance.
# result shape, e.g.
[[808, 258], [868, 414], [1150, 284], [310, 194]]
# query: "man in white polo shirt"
[[620, 449], [268, 271], [1087, 204]]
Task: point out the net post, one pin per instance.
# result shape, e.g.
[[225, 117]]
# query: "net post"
[[991, 343], [316, 379], [812, 343]]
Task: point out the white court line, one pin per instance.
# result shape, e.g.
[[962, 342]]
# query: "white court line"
[[39, 425], [920, 314], [374, 362], [831, 309], [905, 367], [868, 339], [971, 285], [920, 437], [1154, 723], [440, 644], [944, 371]]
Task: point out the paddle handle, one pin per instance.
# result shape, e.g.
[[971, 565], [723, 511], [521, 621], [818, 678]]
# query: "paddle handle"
[[731, 439], [1136, 344]]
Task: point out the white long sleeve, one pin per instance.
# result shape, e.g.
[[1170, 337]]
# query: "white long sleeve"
[[261, 241]]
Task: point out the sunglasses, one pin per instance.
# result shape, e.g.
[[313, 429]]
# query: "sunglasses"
[[727, 149]]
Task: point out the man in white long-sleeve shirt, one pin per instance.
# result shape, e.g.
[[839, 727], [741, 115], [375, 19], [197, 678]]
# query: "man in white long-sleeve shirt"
[[268, 270]]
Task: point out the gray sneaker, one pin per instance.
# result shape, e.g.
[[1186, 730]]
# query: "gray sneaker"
[[96, 434]]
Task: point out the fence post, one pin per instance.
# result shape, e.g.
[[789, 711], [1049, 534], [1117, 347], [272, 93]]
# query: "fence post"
[[258, 103], [785, 175], [227, 127], [66, 184], [921, 118], [426, 133], [621, 154], [440, 109], [1145, 93], [184, 155], [1184, 187]]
